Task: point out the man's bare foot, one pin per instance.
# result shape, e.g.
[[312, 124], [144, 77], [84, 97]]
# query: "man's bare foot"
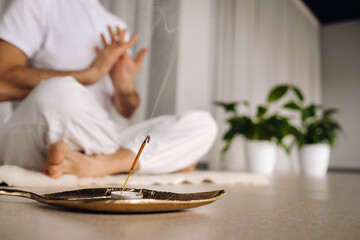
[[188, 169], [61, 159]]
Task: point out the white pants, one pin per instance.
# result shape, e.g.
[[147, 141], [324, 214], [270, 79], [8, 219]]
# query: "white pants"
[[61, 109]]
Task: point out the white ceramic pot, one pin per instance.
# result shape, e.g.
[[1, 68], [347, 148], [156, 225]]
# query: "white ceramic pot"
[[314, 159], [261, 156]]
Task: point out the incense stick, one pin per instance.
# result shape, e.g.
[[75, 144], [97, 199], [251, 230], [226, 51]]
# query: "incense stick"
[[147, 140]]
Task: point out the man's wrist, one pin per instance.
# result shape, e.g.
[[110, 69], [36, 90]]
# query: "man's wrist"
[[127, 89], [87, 76], [126, 103]]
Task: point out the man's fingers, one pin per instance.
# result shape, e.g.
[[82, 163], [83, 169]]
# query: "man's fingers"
[[103, 40], [124, 47], [132, 40], [117, 30], [121, 49], [122, 39], [97, 50], [118, 36], [120, 33], [140, 57], [112, 34]]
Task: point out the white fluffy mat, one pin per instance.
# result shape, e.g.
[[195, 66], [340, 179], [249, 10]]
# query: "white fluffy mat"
[[19, 177]]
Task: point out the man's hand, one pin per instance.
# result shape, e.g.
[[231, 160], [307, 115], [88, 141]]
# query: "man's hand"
[[125, 69], [107, 57], [123, 74]]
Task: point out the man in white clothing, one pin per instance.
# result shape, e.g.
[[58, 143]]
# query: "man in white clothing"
[[66, 88]]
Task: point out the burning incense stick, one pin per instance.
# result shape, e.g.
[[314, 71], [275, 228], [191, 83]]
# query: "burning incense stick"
[[147, 140]]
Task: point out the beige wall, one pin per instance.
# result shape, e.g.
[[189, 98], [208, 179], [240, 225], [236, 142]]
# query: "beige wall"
[[341, 87]]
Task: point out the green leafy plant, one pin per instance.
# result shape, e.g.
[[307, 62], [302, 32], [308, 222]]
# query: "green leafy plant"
[[317, 124], [264, 125]]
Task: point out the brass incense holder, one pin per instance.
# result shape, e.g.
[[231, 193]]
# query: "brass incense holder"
[[99, 199]]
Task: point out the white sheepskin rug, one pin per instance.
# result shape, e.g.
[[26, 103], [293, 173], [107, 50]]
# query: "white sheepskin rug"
[[19, 177]]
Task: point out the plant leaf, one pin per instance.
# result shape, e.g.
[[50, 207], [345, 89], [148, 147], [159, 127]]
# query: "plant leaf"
[[225, 149], [298, 93], [329, 112], [230, 134], [309, 112], [286, 148], [261, 112], [276, 93], [298, 135], [292, 105], [228, 106]]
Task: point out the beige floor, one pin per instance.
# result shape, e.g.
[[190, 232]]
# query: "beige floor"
[[291, 208]]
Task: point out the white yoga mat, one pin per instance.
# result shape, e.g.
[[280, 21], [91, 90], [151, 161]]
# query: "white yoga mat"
[[19, 177]]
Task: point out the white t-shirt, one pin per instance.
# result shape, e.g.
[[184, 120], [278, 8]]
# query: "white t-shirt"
[[61, 35]]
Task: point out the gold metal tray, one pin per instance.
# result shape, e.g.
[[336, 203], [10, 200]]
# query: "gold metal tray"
[[99, 199]]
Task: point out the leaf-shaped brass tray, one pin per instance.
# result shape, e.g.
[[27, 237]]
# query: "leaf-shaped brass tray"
[[99, 199]]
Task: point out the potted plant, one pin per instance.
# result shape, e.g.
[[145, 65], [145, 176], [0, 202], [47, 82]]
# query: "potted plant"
[[316, 134], [263, 131]]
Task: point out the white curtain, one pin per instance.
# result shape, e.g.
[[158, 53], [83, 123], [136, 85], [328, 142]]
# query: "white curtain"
[[258, 44]]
